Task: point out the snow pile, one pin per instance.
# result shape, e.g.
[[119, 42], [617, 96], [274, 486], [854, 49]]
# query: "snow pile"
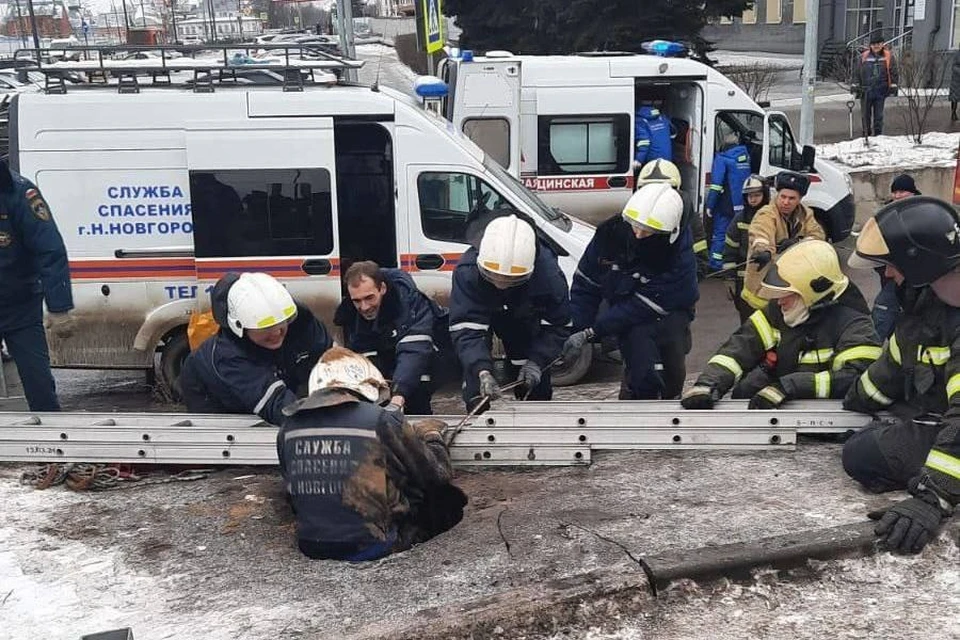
[[726, 59], [938, 150]]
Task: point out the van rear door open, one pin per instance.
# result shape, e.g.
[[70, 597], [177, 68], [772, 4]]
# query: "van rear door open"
[[263, 195]]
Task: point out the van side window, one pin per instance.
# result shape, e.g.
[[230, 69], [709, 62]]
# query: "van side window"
[[261, 212], [783, 150], [492, 135], [446, 199], [747, 126], [584, 144]]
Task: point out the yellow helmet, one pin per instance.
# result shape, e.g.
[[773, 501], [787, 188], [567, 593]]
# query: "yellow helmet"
[[810, 269], [659, 170]]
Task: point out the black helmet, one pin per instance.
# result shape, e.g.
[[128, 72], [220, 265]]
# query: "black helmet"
[[918, 236], [790, 180]]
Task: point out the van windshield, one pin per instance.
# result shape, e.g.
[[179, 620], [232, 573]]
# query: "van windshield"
[[516, 188]]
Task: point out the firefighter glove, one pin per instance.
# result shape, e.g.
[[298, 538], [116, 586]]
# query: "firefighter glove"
[[60, 324], [789, 242], [530, 374], [770, 397], [575, 344], [699, 397], [909, 525], [761, 258], [488, 385]]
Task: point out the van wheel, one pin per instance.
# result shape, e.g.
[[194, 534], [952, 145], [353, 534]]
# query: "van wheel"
[[175, 350], [565, 373]]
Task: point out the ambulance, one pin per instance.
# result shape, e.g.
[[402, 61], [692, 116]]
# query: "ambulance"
[[564, 125], [158, 192]]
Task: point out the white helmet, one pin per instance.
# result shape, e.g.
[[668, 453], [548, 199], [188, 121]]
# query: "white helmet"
[[258, 301], [507, 252], [340, 368], [659, 170], [655, 207]]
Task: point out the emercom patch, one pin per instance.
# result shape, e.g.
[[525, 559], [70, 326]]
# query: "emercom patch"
[[38, 205]]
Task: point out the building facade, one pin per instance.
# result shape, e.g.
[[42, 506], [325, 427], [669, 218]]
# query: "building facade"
[[778, 26]]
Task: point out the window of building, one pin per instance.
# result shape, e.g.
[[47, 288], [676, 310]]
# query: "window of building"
[[584, 144], [261, 212], [749, 16], [447, 199], [799, 11], [492, 135], [863, 17], [955, 32], [774, 13]]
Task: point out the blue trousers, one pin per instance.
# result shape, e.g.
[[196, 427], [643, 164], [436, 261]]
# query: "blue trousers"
[[517, 335], [21, 328], [871, 107], [886, 309], [654, 354], [721, 220]]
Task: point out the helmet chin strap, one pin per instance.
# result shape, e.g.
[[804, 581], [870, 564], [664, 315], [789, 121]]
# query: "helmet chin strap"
[[797, 314]]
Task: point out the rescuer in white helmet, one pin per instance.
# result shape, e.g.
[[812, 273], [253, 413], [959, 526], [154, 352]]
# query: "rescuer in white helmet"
[[641, 263], [510, 285], [363, 481], [264, 351], [664, 171]]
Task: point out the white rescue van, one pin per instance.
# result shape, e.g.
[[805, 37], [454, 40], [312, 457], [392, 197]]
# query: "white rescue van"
[[564, 125], [159, 193]]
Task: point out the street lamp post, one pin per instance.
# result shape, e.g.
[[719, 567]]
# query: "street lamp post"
[[33, 26]]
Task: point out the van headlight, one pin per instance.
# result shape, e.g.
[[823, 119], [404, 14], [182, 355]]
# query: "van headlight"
[[849, 181]]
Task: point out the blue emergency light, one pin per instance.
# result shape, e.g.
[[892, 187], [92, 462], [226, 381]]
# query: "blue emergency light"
[[664, 48], [430, 87]]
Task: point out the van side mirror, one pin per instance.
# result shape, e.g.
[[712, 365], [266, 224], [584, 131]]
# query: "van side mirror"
[[808, 158]]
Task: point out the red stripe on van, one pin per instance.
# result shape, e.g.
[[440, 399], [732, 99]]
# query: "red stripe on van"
[[214, 268], [131, 268], [408, 262]]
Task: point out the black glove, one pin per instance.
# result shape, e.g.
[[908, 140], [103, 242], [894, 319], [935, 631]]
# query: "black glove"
[[530, 373], [770, 397], [575, 344], [786, 244], [909, 525], [761, 258], [699, 397]]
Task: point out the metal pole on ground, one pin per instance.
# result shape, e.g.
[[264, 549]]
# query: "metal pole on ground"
[[33, 26], [345, 30], [809, 73]]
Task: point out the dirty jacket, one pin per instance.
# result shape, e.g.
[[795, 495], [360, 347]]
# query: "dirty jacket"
[[731, 168], [33, 258], [768, 230], [355, 473], [652, 136], [876, 73], [919, 370], [542, 303], [402, 339], [640, 280], [229, 374], [820, 358], [735, 249]]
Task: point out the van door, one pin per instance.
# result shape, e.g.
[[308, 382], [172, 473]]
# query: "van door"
[[487, 109], [263, 195], [779, 147]]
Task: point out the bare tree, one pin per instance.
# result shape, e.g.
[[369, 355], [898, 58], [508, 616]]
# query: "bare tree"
[[921, 76], [756, 79]]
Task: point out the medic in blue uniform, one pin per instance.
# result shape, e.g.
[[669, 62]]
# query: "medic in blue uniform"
[[731, 168], [651, 131]]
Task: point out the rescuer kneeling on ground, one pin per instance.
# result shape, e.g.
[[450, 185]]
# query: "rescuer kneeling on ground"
[[813, 343], [641, 264], [363, 482], [263, 353], [917, 378]]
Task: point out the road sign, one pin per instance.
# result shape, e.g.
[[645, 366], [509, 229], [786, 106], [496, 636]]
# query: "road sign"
[[430, 24]]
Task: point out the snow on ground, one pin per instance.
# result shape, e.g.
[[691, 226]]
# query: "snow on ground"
[[883, 152], [745, 58], [382, 63]]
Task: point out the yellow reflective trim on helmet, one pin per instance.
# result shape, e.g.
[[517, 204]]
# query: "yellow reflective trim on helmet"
[[863, 352], [753, 299], [944, 463], [953, 385], [289, 311], [700, 245], [873, 392], [818, 356], [633, 214], [768, 335], [492, 266], [937, 356], [653, 223], [266, 322], [895, 349], [821, 384], [729, 364], [515, 270]]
